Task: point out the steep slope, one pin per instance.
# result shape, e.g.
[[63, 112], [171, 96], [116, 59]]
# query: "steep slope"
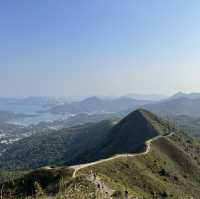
[[133, 131], [129, 135]]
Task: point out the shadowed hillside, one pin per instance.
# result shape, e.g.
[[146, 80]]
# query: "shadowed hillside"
[[129, 135]]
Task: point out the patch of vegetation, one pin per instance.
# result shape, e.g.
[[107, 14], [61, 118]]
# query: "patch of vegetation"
[[38, 182], [53, 147]]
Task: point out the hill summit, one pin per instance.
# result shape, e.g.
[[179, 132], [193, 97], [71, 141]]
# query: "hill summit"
[[134, 130], [129, 135]]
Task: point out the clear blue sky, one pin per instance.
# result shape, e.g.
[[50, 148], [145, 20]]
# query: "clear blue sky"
[[99, 47]]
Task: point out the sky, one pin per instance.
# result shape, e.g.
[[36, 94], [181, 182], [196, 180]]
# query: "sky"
[[99, 47]]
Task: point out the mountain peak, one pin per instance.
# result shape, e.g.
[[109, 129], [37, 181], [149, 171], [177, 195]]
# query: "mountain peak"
[[193, 95], [91, 99], [132, 132], [143, 113], [180, 93]]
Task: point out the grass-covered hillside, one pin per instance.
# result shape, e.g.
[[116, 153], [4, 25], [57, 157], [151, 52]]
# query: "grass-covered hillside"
[[129, 135], [190, 125], [171, 169], [49, 183]]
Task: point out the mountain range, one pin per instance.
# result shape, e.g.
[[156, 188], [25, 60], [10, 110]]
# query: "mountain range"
[[193, 95], [95, 104], [178, 104], [150, 97]]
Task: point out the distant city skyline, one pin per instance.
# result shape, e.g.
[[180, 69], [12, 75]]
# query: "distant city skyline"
[[86, 48]]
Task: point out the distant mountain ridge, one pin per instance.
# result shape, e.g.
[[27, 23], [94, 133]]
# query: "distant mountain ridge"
[[95, 104], [176, 106], [150, 97], [193, 95]]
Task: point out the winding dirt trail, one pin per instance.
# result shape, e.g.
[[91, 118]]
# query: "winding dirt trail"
[[148, 148]]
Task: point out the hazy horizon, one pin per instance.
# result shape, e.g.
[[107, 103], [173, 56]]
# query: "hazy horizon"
[[87, 48], [81, 97], [86, 96]]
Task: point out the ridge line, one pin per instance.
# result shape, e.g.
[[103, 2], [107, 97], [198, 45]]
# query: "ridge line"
[[147, 150]]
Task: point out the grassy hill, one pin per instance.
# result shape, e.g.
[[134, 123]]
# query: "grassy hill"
[[170, 170], [191, 125], [129, 135]]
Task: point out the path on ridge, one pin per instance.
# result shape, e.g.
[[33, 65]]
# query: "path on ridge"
[[148, 148]]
